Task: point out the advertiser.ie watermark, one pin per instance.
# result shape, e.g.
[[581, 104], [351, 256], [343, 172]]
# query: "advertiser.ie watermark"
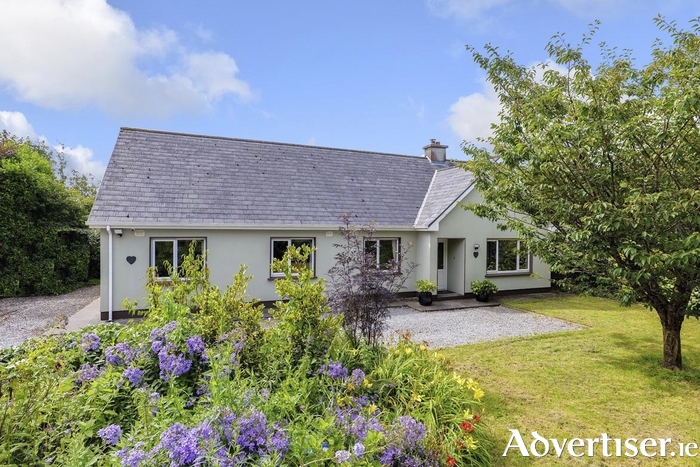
[[605, 446]]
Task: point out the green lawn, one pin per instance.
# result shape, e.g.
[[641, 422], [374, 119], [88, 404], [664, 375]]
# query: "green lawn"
[[579, 384]]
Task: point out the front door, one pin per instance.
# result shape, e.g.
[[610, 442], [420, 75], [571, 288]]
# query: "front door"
[[441, 266]]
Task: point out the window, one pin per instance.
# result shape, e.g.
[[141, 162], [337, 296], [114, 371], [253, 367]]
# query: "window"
[[507, 256], [385, 250], [278, 247], [172, 251]]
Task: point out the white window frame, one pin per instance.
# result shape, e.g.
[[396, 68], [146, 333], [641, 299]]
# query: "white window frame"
[[176, 257], [289, 240], [396, 245], [518, 270]]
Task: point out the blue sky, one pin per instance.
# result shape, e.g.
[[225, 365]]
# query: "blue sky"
[[379, 75]]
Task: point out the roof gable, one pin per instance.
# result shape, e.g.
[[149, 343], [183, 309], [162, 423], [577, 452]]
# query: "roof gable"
[[171, 179], [447, 186]]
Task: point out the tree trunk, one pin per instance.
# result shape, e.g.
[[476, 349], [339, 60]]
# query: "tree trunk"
[[671, 322]]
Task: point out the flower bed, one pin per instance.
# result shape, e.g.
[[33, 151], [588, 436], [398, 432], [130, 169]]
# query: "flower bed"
[[214, 388]]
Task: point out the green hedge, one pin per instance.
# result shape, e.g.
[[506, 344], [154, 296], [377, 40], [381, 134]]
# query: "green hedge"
[[45, 248]]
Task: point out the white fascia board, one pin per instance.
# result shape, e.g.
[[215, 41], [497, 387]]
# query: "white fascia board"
[[144, 226], [435, 225]]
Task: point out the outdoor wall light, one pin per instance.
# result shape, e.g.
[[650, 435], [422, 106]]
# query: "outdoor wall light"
[[119, 232], [476, 250]]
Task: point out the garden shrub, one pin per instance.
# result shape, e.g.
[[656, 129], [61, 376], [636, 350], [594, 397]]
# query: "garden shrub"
[[179, 392], [360, 289], [303, 306]]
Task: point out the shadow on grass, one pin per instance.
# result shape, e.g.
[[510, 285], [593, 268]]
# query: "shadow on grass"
[[646, 358]]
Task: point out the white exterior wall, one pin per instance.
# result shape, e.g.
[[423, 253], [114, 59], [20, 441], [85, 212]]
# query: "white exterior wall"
[[462, 224], [426, 255], [228, 249]]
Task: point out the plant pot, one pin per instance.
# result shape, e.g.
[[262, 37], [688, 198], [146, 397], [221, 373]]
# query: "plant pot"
[[425, 298], [482, 297]]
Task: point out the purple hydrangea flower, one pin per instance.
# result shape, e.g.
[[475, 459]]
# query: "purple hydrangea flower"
[[120, 354], [110, 434], [335, 370], [252, 433], [156, 345], [405, 437], [181, 445], [88, 372], [279, 442], [226, 420], [342, 456], [159, 336], [195, 345], [357, 376], [133, 457], [413, 431], [362, 401], [90, 342], [359, 450], [355, 425], [134, 375], [172, 364], [186, 446]]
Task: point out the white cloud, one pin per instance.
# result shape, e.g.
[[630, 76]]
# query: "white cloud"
[[16, 123], [86, 53], [214, 74], [81, 159], [471, 116], [463, 8]]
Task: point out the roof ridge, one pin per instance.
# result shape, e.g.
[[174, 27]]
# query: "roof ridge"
[[277, 143]]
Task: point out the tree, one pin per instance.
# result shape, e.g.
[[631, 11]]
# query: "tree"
[[599, 170]]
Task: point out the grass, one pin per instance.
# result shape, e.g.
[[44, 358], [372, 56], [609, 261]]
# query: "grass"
[[580, 384]]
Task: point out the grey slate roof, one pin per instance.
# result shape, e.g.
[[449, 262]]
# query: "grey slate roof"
[[171, 179], [447, 186]]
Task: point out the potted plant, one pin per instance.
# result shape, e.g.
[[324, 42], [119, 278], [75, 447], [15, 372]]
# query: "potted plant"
[[482, 290], [425, 290]]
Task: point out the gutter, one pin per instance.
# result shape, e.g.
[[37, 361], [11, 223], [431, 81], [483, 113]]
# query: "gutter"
[[284, 227], [110, 268]]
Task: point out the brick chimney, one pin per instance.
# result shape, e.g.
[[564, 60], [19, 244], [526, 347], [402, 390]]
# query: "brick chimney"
[[435, 152]]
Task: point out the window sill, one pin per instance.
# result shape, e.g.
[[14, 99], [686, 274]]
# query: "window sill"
[[276, 278], [508, 273], [169, 280]]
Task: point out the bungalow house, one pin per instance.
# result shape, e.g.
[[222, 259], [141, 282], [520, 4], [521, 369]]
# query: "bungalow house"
[[244, 201]]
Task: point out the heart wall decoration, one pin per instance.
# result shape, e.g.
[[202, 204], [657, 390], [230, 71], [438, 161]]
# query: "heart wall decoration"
[[131, 259]]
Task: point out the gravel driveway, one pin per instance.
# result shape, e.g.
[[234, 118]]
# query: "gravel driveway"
[[25, 317], [466, 326]]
